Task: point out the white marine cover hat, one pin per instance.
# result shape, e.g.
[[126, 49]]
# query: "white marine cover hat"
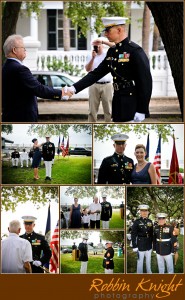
[[29, 219], [119, 137], [161, 215], [143, 207], [113, 21]]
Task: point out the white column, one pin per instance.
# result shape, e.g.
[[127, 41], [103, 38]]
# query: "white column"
[[31, 46], [34, 26]]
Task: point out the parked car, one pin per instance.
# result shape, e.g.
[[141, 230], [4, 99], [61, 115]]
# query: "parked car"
[[58, 80], [66, 250], [80, 151]]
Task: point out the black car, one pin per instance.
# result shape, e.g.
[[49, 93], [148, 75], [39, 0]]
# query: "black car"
[[66, 250], [80, 151]]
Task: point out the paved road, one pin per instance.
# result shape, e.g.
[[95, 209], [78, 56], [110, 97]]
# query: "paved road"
[[161, 110]]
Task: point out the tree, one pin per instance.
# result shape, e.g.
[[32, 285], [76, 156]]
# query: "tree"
[[146, 29], [104, 132], [155, 38], [79, 12], [87, 192], [57, 129], [11, 11], [160, 199], [12, 196], [66, 25], [7, 128], [113, 236], [168, 17]]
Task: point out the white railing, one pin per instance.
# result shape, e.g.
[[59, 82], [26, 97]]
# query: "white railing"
[[77, 58], [158, 61], [163, 84]]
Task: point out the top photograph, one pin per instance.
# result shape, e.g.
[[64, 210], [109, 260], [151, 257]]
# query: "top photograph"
[[92, 62]]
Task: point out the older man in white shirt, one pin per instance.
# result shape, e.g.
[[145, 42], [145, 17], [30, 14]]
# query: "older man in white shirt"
[[16, 252], [95, 210]]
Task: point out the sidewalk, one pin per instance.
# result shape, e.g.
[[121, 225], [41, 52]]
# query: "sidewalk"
[[76, 110]]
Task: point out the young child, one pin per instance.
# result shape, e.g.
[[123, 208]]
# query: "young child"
[[85, 219]]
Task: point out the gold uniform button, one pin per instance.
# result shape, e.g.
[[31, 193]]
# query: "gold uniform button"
[[116, 50], [115, 77], [123, 178], [120, 44], [121, 159], [115, 59], [115, 68], [131, 94]]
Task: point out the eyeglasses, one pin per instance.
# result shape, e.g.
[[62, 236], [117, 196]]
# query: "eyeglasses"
[[21, 47], [108, 29], [161, 218]]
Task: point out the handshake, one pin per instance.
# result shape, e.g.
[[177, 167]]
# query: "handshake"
[[67, 92]]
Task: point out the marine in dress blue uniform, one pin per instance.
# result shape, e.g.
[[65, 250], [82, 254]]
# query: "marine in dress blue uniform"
[[108, 262], [165, 243], [15, 158], [106, 212], [48, 154], [142, 239], [117, 168], [129, 66], [83, 257], [40, 248]]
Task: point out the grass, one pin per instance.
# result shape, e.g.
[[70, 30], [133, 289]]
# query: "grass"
[[72, 170], [116, 221], [68, 265], [132, 260]]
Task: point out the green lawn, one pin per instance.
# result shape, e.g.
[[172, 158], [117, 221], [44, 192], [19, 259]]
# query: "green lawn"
[[72, 170], [132, 260], [68, 265], [116, 221]]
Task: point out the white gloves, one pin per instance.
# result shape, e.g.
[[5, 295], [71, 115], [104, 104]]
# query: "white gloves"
[[69, 91], [135, 249], [139, 117], [37, 263]]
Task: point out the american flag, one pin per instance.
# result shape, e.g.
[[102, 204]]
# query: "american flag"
[[157, 161], [174, 177], [54, 245]]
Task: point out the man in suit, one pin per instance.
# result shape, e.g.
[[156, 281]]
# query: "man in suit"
[[40, 248], [48, 154], [117, 168], [19, 87]]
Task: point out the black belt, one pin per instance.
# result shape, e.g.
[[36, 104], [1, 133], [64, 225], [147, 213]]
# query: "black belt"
[[122, 85], [103, 82]]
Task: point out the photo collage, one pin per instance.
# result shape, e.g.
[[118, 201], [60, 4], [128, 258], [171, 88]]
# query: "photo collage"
[[92, 145]]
